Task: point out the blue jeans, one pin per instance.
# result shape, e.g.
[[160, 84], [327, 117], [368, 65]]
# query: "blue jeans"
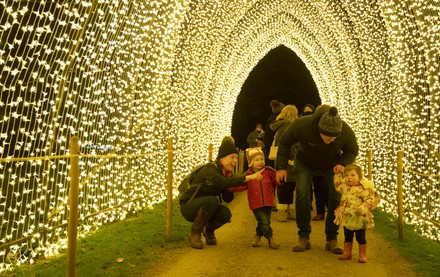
[[304, 174], [220, 214], [262, 215]]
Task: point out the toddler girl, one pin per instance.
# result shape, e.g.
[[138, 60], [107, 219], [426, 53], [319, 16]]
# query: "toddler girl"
[[354, 211]]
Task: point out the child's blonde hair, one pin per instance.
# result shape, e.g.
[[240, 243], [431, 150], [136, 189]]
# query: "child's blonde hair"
[[354, 167]]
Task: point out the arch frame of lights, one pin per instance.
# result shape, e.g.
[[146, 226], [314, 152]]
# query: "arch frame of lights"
[[127, 75]]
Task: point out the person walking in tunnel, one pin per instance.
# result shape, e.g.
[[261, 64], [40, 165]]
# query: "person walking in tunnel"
[[285, 193], [261, 195], [326, 144], [201, 203], [269, 134], [319, 185], [354, 211], [256, 137]]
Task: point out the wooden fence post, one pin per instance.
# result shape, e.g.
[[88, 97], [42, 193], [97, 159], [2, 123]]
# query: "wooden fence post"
[[400, 193], [169, 188], [369, 165], [210, 152], [241, 159], [72, 229]]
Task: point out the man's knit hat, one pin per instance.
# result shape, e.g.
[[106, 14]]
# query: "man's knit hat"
[[251, 153], [276, 106], [226, 148], [330, 123]]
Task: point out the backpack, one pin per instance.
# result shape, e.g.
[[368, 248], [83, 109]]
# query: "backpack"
[[186, 183]]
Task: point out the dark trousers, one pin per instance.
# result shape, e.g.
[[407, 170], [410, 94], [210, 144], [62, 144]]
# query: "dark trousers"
[[285, 193], [304, 175], [320, 189], [360, 235], [262, 215], [209, 204]]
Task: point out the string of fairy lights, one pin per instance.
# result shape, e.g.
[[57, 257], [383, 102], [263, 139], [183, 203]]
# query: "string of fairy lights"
[[125, 76]]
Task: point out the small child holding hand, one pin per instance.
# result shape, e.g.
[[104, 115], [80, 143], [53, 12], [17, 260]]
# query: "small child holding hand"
[[354, 211], [261, 195]]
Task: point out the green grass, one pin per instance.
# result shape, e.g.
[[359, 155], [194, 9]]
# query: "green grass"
[[421, 252], [138, 240], [141, 240]]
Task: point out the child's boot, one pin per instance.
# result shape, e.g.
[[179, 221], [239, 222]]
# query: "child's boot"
[[273, 244], [362, 253], [282, 212], [347, 251], [257, 241]]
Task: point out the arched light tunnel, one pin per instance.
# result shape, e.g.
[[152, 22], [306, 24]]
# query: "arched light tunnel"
[[127, 76]]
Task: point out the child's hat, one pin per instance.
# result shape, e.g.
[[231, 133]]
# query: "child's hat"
[[251, 153]]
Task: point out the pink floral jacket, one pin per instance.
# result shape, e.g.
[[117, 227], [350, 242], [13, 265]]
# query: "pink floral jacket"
[[362, 197]]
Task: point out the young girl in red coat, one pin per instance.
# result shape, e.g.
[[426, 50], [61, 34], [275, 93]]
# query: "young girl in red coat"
[[261, 195]]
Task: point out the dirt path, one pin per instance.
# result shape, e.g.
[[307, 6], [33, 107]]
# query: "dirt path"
[[234, 256]]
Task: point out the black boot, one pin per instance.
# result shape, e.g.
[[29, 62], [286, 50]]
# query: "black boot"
[[208, 233], [199, 223]]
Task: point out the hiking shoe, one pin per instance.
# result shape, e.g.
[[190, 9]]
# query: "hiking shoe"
[[282, 215], [332, 246], [318, 217], [257, 241], [273, 244], [302, 245]]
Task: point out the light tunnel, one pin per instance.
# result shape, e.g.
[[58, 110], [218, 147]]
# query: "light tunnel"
[[126, 76]]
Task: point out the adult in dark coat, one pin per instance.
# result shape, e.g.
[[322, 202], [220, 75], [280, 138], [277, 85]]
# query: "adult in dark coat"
[[205, 210], [320, 187], [269, 134], [326, 144]]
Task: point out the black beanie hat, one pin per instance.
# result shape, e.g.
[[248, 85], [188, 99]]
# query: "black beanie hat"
[[226, 148], [276, 106], [330, 123]]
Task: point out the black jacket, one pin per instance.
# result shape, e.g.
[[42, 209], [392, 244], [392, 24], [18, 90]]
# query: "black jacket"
[[213, 182], [268, 132], [312, 150]]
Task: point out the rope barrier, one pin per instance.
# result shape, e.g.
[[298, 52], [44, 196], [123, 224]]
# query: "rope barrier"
[[110, 156]]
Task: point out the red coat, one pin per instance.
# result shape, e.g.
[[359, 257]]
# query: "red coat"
[[260, 193]]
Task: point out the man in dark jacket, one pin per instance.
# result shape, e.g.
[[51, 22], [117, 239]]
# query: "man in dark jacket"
[[326, 144]]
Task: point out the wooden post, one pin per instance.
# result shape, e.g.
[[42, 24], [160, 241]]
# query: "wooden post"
[[400, 193], [169, 189], [72, 228], [210, 152], [241, 161], [369, 165]]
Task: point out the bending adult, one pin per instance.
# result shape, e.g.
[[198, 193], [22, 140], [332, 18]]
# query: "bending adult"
[[326, 145], [203, 206]]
